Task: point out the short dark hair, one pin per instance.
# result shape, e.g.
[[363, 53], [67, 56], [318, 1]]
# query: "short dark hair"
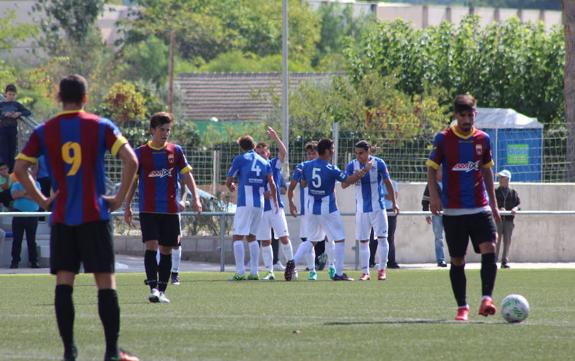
[[262, 145], [464, 102], [11, 88], [73, 89], [161, 118], [323, 145], [311, 145], [363, 144], [246, 142]]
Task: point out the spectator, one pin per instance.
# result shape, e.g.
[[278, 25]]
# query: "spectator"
[[10, 111], [391, 224], [24, 203], [5, 184], [436, 221], [507, 200]]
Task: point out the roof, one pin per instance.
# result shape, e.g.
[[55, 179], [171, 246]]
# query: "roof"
[[498, 118], [236, 96]]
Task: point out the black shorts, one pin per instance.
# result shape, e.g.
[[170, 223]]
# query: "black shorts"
[[89, 243], [480, 227], [161, 227]]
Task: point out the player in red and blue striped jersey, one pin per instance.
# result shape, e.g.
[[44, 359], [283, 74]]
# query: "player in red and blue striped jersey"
[[467, 199], [74, 144], [162, 166]]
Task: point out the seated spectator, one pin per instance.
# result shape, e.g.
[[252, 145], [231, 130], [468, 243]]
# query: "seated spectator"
[[23, 203], [10, 111], [5, 184]]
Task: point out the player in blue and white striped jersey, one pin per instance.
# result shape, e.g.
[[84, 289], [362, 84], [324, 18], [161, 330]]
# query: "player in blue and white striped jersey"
[[320, 176], [254, 174], [370, 207], [273, 217]]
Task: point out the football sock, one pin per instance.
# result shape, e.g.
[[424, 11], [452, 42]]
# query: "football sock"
[[164, 271], [176, 258], [287, 250], [254, 256], [268, 257], [459, 284], [311, 259], [303, 250], [364, 257], [110, 316], [151, 266], [330, 251], [382, 252], [488, 273], [239, 256], [65, 316], [339, 257]]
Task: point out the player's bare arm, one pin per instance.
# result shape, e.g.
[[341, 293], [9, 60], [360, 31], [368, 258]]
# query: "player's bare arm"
[[21, 170], [273, 190], [434, 199], [357, 175], [230, 184], [392, 195], [490, 188], [190, 182], [129, 167], [282, 150], [292, 206], [128, 214]]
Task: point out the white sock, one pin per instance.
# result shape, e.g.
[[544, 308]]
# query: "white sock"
[[254, 256], [364, 257], [330, 250], [268, 257], [382, 252], [339, 257], [302, 251], [287, 250], [239, 256], [158, 255], [311, 259], [176, 258]]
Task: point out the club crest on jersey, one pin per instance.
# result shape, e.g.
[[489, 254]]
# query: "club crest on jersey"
[[466, 167], [478, 149], [161, 173], [170, 158]]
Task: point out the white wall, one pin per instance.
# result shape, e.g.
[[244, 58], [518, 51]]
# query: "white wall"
[[535, 239]]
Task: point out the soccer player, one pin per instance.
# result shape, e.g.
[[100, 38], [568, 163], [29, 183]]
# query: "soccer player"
[[272, 217], [319, 176], [162, 164], [254, 174], [467, 199], [305, 248], [74, 143], [370, 207]]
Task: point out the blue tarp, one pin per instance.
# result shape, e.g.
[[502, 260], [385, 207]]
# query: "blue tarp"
[[516, 142]]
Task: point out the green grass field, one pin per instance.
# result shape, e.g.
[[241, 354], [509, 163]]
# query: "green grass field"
[[407, 317]]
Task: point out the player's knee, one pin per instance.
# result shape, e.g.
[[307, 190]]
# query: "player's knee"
[[458, 261]]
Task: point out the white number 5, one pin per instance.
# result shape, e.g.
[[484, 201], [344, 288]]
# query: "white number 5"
[[316, 178]]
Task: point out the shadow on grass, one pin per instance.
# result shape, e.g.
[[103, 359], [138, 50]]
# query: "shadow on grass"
[[405, 321]]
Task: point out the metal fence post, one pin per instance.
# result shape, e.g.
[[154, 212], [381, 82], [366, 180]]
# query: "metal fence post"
[[222, 243]]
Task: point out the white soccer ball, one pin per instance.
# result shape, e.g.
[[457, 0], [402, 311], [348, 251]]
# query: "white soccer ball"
[[514, 308]]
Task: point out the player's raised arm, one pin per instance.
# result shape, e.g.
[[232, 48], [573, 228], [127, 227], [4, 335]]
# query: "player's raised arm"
[[282, 150], [357, 175]]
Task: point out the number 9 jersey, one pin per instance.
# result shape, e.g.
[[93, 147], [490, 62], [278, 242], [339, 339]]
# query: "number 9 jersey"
[[74, 144]]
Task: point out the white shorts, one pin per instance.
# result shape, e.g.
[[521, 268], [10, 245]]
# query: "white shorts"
[[365, 221], [271, 219], [247, 220], [320, 225]]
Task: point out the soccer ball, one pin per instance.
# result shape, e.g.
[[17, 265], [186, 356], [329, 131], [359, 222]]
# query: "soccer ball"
[[514, 308]]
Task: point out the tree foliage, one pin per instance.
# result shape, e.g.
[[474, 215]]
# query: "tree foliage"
[[509, 65]]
